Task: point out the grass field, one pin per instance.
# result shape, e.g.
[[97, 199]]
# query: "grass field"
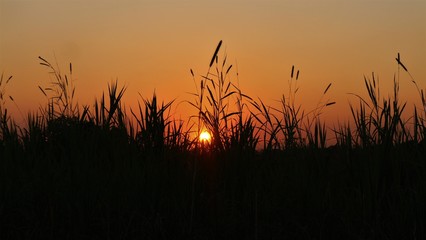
[[101, 172]]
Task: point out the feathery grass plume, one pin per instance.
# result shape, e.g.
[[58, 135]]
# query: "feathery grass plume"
[[62, 91], [215, 53]]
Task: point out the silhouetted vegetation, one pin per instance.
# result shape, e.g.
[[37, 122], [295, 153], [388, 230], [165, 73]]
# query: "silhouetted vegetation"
[[104, 172]]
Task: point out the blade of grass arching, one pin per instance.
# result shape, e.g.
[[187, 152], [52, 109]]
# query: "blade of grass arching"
[[223, 111], [212, 98], [210, 101], [420, 91], [192, 104], [256, 105], [360, 98], [193, 94], [166, 107], [266, 113], [246, 96], [228, 95], [257, 118], [230, 114], [209, 80], [227, 87]]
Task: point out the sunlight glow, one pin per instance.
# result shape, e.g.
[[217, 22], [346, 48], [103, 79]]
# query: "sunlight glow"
[[205, 137]]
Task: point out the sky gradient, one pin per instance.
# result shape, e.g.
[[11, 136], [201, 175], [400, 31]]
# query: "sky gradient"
[[152, 45]]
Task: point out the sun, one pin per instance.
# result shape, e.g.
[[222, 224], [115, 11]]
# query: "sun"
[[205, 137]]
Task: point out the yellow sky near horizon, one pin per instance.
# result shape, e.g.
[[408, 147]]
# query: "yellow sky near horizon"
[[151, 45]]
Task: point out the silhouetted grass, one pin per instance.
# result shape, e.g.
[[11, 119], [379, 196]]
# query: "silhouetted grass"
[[101, 172]]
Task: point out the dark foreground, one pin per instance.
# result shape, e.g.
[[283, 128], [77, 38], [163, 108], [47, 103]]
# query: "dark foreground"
[[85, 185]]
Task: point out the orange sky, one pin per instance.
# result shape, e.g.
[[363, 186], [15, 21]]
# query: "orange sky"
[[151, 45]]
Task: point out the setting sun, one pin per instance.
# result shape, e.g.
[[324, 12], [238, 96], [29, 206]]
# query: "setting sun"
[[205, 137]]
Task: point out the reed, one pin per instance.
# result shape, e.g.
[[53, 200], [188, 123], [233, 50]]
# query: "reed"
[[60, 91]]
